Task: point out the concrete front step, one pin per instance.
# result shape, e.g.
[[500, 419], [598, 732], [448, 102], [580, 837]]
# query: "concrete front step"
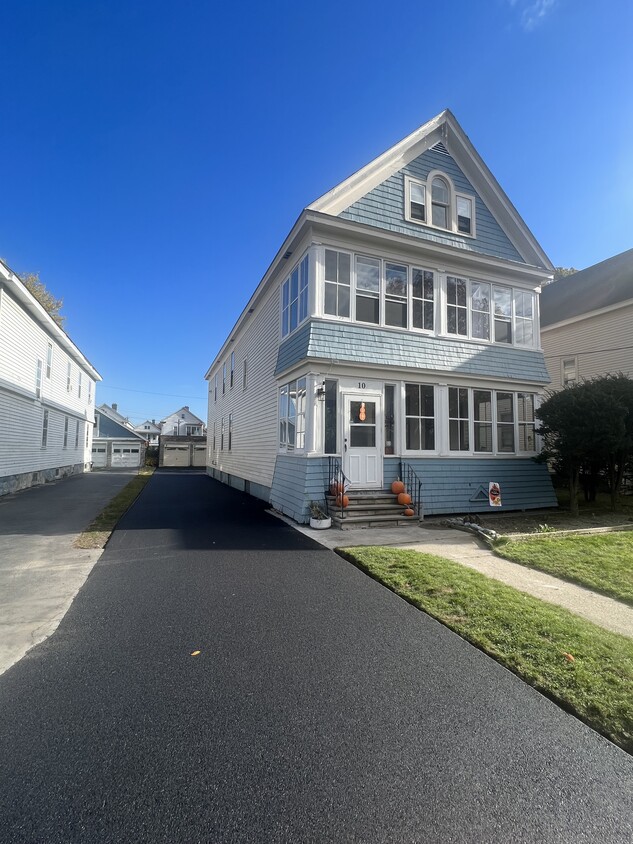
[[349, 522]]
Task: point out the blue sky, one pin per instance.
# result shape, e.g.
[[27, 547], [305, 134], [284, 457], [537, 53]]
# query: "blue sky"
[[153, 156]]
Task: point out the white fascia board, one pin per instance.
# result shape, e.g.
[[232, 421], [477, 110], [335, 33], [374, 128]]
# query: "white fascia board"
[[40, 315], [587, 315], [437, 253], [493, 195], [444, 127], [380, 168]]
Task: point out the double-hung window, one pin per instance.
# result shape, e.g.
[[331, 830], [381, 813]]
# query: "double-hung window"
[[458, 419], [569, 371], [502, 299], [79, 385], [224, 378], [456, 306], [367, 289], [232, 376], [480, 310], [294, 297], [419, 412], [292, 415], [436, 203], [337, 283], [38, 379], [49, 360], [76, 433], [65, 432], [490, 421], [230, 443], [396, 294], [68, 377], [44, 428], [422, 299]]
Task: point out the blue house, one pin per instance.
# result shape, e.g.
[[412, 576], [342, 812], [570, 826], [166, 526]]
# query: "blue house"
[[395, 335]]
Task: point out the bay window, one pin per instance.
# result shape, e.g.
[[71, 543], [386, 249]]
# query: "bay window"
[[337, 283], [396, 294], [422, 299]]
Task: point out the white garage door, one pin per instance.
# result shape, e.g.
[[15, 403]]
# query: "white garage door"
[[99, 456], [176, 455], [126, 455], [200, 455]]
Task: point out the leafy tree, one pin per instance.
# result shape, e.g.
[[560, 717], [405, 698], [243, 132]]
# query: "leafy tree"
[[46, 299], [563, 272], [590, 426]]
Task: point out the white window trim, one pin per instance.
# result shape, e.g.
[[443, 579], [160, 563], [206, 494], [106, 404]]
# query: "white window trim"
[[562, 370], [287, 448], [491, 315], [452, 204], [470, 452], [287, 281], [409, 452]]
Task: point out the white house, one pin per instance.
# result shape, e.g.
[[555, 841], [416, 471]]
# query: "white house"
[[395, 334], [149, 430], [47, 393], [182, 423], [587, 322]]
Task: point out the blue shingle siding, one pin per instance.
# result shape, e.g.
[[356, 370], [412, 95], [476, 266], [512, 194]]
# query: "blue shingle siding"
[[348, 342], [109, 428], [452, 485], [384, 207], [297, 481], [294, 349]]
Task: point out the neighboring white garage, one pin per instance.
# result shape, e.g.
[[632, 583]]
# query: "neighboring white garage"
[[182, 452], [115, 445], [99, 455], [125, 455], [176, 455]]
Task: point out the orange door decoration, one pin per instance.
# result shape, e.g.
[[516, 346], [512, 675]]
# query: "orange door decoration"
[[362, 413]]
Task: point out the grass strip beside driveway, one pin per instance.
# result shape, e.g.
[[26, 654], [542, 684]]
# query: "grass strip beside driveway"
[[603, 562], [98, 533], [586, 670]]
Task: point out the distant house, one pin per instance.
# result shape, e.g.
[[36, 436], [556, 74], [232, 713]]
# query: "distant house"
[[395, 332], [47, 390], [149, 430], [115, 443], [587, 322], [182, 423]]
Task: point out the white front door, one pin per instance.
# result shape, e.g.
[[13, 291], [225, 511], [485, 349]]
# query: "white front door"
[[362, 440]]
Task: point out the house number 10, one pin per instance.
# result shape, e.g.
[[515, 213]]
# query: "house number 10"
[[361, 385]]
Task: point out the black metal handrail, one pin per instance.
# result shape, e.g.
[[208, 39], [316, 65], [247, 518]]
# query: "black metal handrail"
[[413, 486], [337, 481]]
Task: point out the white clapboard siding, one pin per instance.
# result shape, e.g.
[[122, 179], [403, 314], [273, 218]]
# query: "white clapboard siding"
[[22, 342], [254, 442], [602, 344]]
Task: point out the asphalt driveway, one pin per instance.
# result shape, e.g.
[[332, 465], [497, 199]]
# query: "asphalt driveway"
[[321, 707], [40, 571]]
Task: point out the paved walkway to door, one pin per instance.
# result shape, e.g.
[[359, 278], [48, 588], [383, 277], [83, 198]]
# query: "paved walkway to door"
[[466, 549]]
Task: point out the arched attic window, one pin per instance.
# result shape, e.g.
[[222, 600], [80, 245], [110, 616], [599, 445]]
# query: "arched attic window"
[[440, 203]]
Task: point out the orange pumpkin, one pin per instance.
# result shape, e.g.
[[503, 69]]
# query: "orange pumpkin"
[[336, 488], [404, 498], [397, 487], [409, 512], [342, 500]]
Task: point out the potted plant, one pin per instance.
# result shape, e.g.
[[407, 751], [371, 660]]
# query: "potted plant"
[[319, 518]]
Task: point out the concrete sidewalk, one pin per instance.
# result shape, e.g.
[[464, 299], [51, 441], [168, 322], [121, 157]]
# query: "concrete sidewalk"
[[40, 571], [465, 549]]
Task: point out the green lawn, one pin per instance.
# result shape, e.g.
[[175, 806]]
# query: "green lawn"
[[603, 562], [585, 669], [100, 530]]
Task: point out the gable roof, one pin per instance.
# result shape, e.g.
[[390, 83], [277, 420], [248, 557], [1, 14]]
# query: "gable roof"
[[600, 286], [118, 420], [191, 417], [41, 316], [444, 129]]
